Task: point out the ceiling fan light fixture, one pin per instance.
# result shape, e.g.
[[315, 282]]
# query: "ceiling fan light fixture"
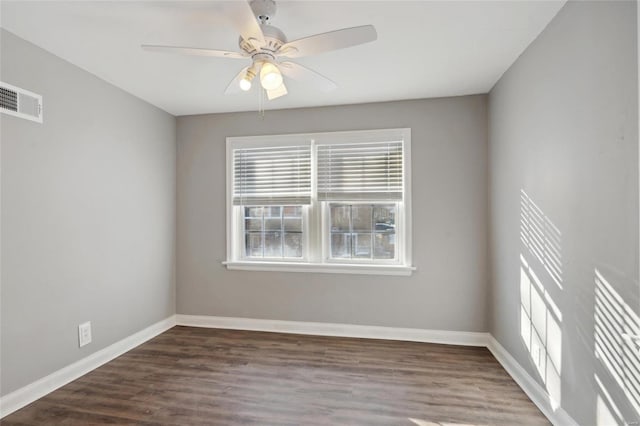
[[266, 46], [270, 76]]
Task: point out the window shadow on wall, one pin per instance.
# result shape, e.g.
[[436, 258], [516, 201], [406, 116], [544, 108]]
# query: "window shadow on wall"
[[540, 279], [541, 237], [607, 411], [615, 323]]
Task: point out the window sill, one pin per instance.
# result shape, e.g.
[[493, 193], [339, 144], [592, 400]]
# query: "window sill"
[[332, 268]]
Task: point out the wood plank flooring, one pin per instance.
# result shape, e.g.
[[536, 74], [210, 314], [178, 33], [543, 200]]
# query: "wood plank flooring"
[[199, 376]]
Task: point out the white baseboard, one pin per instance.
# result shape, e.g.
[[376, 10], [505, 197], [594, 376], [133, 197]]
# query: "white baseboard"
[[33, 391], [534, 391], [338, 330]]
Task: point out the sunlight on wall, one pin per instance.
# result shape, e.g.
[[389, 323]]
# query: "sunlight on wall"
[[613, 319], [607, 413], [541, 237], [540, 317], [540, 321]]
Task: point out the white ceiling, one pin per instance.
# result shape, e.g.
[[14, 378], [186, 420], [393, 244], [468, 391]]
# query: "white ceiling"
[[424, 48]]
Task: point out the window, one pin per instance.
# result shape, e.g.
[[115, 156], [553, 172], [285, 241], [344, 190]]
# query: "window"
[[322, 202]]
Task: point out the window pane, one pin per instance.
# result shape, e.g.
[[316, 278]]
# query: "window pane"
[[362, 246], [292, 211], [272, 244], [293, 225], [272, 211], [253, 224], [293, 245], [272, 224], [385, 245], [253, 244], [341, 245], [384, 218], [340, 218], [361, 218], [253, 212]]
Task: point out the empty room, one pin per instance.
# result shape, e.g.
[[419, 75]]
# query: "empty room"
[[420, 213]]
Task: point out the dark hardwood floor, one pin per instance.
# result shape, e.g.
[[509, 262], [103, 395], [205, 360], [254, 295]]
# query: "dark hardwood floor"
[[190, 376]]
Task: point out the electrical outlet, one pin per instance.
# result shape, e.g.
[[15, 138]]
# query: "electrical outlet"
[[84, 333]]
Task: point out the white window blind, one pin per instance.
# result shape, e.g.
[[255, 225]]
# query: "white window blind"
[[360, 171], [274, 175]]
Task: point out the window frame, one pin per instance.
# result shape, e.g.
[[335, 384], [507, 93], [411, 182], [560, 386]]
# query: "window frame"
[[316, 216]]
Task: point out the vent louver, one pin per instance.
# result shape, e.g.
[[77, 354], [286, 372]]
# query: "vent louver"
[[20, 103], [8, 99]]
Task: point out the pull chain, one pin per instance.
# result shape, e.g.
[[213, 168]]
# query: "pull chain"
[[261, 103]]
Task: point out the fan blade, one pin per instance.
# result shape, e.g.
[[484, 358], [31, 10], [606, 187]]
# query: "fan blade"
[[234, 86], [310, 77], [194, 51], [276, 93], [243, 20], [326, 42]]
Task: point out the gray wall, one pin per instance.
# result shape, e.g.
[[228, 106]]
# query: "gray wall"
[[449, 165], [564, 129], [88, 216]]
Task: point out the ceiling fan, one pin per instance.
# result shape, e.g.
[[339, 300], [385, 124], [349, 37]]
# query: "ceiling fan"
[[268, 49]]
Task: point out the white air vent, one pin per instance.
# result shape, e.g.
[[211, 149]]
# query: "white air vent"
[[20, 103]]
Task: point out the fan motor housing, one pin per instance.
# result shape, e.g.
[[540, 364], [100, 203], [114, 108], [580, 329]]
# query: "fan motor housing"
[[274, 39]]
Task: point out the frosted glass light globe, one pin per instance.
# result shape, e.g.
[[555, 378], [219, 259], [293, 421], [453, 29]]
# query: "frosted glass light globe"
[[270, 76], [245, 84]]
